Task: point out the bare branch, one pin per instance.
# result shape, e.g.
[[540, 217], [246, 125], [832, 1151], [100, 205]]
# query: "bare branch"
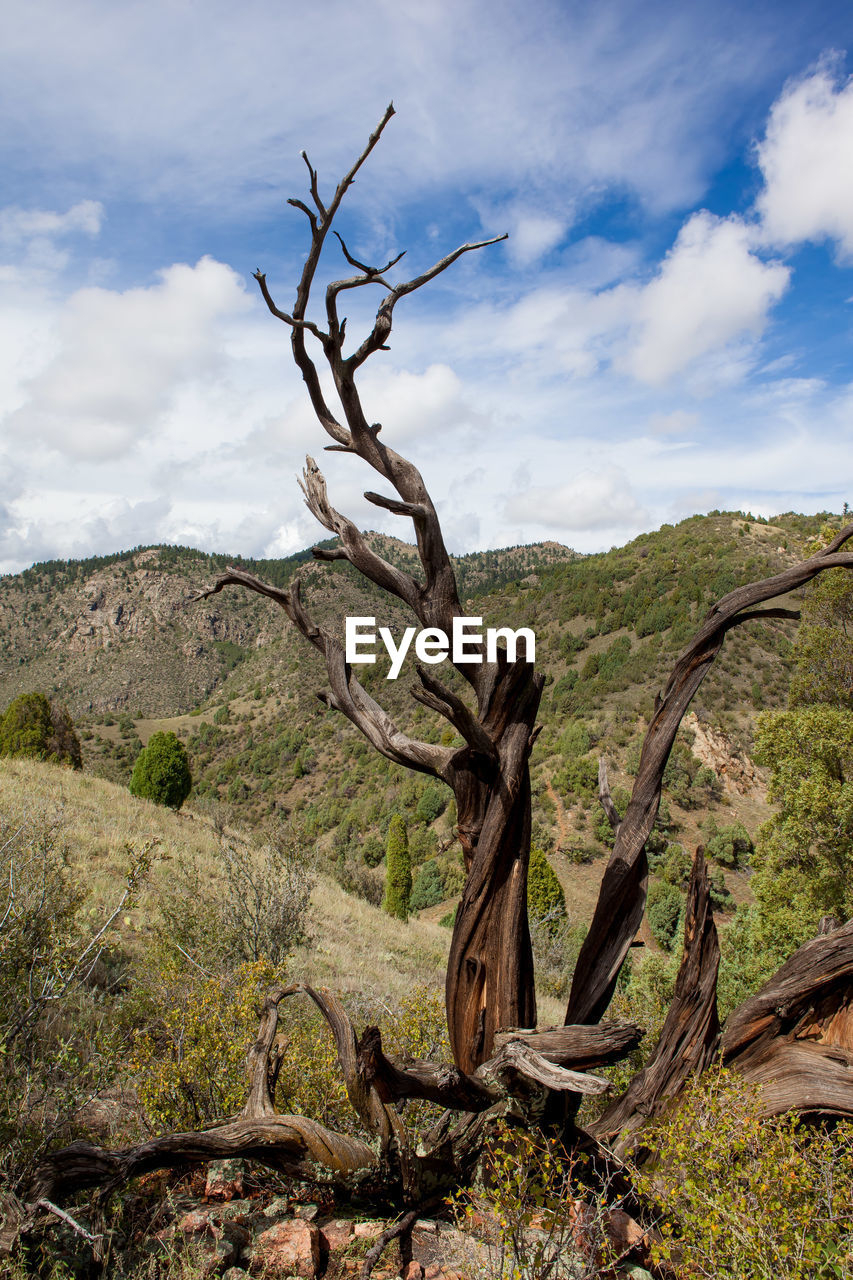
[[605, 798], [382, 326], [441, 699], [347, 695], [622, 895], [355, 545]]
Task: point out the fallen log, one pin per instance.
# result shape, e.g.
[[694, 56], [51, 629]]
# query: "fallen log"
[[795, 1037]]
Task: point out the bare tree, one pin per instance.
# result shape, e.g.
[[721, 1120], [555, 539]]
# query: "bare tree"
[[503, 1065]]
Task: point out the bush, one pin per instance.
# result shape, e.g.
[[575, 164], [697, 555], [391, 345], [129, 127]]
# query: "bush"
[[40, 730], [663, 907], [55, 1049], [162, 772], [746, 1196], [427, 887], [251, 904], [431, 805], [545, 897], [731, 846], [398, 870]]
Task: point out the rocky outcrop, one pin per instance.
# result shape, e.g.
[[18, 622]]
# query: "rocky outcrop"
[[730, 762]]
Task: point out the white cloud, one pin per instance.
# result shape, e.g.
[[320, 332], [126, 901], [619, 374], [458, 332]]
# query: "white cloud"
[[806, 158], [121, 359], [591, 500], [19, 225], [710, 290], [677, 423], [532, 235]]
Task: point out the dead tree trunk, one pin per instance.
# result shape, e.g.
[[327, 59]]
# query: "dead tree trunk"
[[795, 1036]]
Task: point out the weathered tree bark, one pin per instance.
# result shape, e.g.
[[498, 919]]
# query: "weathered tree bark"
[[795, 1037], [691, 1031], [622, 896]]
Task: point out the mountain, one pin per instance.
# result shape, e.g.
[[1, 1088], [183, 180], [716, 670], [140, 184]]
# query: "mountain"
[[124, 642]]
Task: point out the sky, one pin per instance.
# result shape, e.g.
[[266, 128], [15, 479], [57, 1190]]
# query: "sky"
[[667, 329]]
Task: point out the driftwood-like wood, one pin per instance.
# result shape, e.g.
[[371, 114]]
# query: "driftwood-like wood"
[[795, 1037], [581, 1047], [490, 970], [691, 1031], [622, 895]]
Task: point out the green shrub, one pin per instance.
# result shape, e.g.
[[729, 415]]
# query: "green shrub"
[[398, 870], [663, 907], [545, 898], [427, 887], [162, 772], [731, 846], [431, 805], [33, 727], [372, 851], [747, 1197]]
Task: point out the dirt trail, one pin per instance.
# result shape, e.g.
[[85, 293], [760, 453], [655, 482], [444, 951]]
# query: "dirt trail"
[[559, 808]]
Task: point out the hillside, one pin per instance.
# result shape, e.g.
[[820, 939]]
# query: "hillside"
[[122, 641]]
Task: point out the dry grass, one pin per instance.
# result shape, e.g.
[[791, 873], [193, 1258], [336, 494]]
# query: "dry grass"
[[355, 947]]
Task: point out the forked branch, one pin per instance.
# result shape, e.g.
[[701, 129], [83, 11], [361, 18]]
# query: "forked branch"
[[622, 896]]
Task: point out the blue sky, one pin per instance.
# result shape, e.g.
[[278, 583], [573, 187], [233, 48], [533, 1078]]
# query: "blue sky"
[[667, 329]]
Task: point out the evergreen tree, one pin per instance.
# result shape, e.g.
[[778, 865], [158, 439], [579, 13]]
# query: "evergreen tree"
[[545, 897], [162, 772], [398, 870], [34, 727]]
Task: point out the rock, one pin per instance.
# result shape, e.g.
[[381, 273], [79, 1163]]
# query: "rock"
[[308, 1212], [367, 1230], [625, 1233], [224, 1180], [337, 1234], [414, 1271], [290, 1248], [194, 1223], [234, 1273], [278, 1208]]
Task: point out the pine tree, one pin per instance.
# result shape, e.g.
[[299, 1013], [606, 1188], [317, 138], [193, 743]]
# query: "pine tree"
[[398, 870], [162, 772], [35, 727], [545, 898]]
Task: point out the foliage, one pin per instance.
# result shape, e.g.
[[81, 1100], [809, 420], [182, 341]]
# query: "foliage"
[[53, 1049], [398, 870], [747, 1198], [663, 908], [528, 1189], [189, 1058], [33, 727], [556, 947], [432, 804], [545, 898], [804, 856], [427, 887], [162, 771], [251, 902], [731, 845], [824, 648]]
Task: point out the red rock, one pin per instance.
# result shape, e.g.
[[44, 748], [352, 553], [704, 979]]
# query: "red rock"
[[367, 1230], [337, 1234], [414, 1271], [194, 1223], [625, 1233], [433, 1271], [224, 1180], [290, 1248]]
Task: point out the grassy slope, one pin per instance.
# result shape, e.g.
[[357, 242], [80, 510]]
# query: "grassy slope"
[[355, 947]]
